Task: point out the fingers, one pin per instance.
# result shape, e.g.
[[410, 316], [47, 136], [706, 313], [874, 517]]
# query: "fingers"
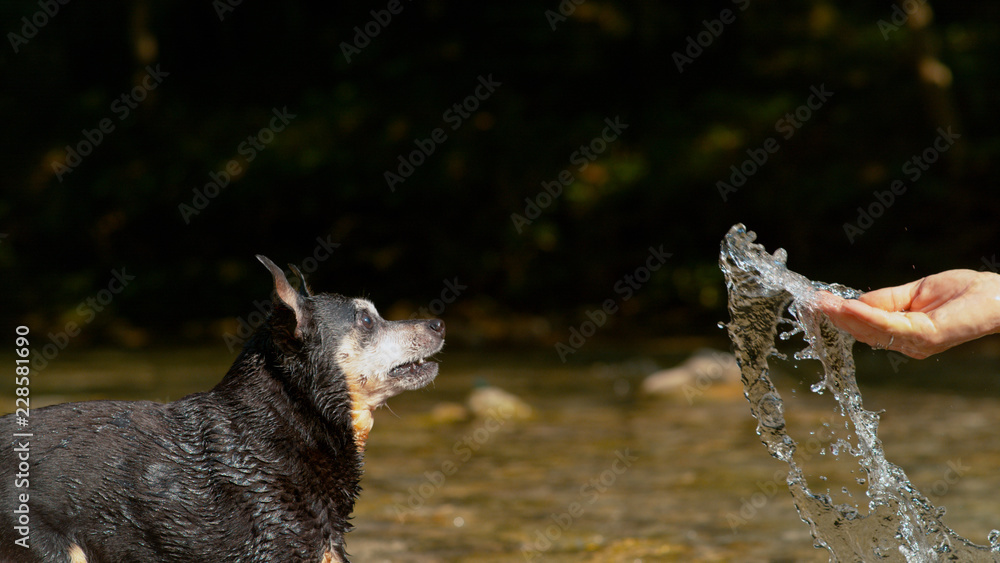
[[871, 325], [844, 316], [828, 302], [853, 315], [896, 298], [878, 319]]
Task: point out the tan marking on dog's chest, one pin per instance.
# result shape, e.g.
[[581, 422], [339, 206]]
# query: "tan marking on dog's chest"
[[363, 421], [361, 411], [332, 557], [361, 414]]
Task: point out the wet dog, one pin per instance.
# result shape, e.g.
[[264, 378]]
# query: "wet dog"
[[262, 468]]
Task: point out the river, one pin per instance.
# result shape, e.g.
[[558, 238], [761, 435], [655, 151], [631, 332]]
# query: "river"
[[600, 472]]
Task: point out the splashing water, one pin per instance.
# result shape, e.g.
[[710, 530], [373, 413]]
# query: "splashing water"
[[901, 524]]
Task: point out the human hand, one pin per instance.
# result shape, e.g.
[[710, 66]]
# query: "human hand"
[[923, 317]]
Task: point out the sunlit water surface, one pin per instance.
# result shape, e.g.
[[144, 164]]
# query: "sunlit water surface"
[[600, 473]]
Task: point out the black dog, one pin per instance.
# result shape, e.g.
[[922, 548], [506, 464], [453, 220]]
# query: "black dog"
[[262, 468]]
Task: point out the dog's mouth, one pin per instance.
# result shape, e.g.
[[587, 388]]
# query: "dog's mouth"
[[414, 375]]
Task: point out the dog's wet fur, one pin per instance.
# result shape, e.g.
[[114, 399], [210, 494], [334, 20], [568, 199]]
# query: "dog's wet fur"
[[265, 467]]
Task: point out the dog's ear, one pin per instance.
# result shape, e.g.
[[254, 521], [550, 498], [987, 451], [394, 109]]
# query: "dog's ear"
[[285, 293], [304, 288]]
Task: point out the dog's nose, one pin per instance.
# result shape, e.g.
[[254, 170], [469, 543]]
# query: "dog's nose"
[[437, 325]]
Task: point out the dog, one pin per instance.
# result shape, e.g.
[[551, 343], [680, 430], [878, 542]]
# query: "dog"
[[264, 467]]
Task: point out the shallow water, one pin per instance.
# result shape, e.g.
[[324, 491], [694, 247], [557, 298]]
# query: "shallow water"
[[881, 515], [700, 486]]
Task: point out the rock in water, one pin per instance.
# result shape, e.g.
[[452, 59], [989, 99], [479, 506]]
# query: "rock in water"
[[699, 373], [486, 401]]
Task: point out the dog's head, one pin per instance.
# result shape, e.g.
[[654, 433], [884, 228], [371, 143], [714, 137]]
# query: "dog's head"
[[377, 358]]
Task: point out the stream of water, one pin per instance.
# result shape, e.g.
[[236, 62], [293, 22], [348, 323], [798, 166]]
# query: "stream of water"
[[893, 521]]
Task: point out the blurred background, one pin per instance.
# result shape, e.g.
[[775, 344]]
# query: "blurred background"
[[695, 92], [520, 169]]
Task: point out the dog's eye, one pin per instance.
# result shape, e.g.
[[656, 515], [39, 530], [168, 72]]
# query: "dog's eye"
[[366, 321]]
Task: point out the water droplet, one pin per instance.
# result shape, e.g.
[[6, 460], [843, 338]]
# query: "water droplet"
[[770, 411]]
